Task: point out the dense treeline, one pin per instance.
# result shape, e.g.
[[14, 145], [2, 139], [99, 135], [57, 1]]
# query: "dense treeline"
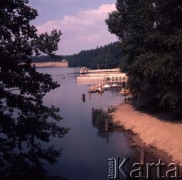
[[151, 36], [108, 56], [44, 58]]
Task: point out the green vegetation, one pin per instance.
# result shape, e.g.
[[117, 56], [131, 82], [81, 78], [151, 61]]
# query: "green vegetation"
[[108, 56], [151, 36], [111, 109], [44, 58], [25, 122]]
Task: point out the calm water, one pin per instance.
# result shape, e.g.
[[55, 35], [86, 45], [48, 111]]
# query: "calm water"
[[85, 151]]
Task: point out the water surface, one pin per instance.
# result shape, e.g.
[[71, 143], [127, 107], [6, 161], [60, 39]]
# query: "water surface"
[[85, 150]]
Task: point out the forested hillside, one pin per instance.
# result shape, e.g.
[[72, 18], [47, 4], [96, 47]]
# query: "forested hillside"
[[108, 56], [47, 58]]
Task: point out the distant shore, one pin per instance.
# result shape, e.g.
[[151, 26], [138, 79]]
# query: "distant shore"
[[50, 64], [153, 132]]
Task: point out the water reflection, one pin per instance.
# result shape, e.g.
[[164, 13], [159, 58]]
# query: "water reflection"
[[103, 122], [85, 154], [24, 141]]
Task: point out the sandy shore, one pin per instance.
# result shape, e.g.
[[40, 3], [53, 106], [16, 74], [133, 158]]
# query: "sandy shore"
[[154, 132]]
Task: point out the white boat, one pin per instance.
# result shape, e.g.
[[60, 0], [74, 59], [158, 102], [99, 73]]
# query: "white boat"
[[99, 89], [106, 86], [83, 70], [116, 85]]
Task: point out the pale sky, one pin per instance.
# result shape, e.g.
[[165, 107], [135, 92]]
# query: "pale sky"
[[82, 22]]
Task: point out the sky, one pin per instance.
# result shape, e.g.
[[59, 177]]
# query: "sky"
[[82, 22]]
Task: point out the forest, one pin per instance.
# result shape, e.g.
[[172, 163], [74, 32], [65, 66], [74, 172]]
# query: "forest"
[[108, 56], [151, 36], [46, 58]]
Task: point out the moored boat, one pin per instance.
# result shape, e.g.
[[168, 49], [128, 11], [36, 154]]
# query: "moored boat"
[[106, 86], [83, 70], [115, 85]]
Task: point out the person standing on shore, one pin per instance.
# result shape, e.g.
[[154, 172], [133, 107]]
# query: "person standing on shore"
[[124, 85]]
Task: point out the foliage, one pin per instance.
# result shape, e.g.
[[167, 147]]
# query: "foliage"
[[108, 56], [25, 122], [151, 36], [111, 109], [44, 58]]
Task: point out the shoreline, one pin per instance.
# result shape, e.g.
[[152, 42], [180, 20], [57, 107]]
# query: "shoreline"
[[159, 139], [49, 64]]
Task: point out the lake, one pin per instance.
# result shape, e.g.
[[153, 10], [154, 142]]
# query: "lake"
[[85, 150]]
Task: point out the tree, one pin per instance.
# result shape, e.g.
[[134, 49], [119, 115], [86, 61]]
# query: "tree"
[[150, 32], [24, 120]]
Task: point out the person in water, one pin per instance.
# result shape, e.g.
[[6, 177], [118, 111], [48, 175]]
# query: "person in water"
[[83, 97]]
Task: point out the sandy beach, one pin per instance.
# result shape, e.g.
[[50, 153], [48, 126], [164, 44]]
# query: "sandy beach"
[[153, 132]]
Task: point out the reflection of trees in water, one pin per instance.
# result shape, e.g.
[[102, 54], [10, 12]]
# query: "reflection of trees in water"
[[23, 130], [103, 122]]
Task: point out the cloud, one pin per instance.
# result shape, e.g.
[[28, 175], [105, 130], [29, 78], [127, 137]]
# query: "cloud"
[[85, 30]]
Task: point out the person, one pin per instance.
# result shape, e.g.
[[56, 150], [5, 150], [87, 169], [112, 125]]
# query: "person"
[[83, 97], [124, 85]]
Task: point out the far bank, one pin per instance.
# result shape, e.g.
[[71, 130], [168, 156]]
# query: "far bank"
[[63, 63]]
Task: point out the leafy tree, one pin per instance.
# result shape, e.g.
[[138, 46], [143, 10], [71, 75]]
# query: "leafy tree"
[[150, 32], [25, 122]]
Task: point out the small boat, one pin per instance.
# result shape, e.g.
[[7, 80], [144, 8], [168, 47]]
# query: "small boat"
[[116, 85], [100, 89], [106, 86], [83, 70], [92, 90]]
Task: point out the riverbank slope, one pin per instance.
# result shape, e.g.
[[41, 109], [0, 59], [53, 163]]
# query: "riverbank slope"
[[163, 135]]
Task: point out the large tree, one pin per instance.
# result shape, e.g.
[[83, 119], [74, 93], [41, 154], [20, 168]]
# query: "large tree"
[[25, 121], [150, 32]]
